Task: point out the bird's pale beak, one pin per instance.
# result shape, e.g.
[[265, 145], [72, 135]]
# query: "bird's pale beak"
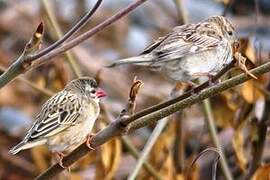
[[100, 93]]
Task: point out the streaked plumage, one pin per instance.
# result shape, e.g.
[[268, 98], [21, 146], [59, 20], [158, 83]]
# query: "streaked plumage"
[[66, 118], [189, 51]]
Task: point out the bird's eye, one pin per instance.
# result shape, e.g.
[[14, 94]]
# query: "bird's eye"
[[93, 91], [230, 33]]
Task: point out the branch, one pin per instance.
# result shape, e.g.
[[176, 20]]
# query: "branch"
[[148, 147], [42, 90], [19, 67], [76, 41], [72, 31], [148, 167], [169, 107], [130, 108], [177, 99], [210, 123], [57, 30]]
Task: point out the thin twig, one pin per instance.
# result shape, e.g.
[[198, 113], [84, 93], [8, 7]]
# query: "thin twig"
[[148, 146], [148, 167], [210, 123], [25, 63], [76, 41], [181, 12], [70, 33], [150, 142], [177, 99], [116, 127], [132, 149], [57, 30], [162, 110], [44, 91]]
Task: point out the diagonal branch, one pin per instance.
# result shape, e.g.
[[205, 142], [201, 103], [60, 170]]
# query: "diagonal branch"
[[179, 98], [169, 107], [18, 67], [71, 32], [57, 30], [76, 41], [172, 106]]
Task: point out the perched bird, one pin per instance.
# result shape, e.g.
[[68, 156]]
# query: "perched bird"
[[189, 51], [66, 119]]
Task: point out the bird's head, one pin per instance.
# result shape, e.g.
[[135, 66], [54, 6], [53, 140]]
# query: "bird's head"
[[87, 86], [223, 27]]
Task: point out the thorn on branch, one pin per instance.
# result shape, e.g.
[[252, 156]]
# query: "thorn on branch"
[[33, 45], [134, 90], [137, 84], [35, 42], [131, 105]]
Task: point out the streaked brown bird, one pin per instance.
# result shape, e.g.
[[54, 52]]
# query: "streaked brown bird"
[[66, 119], [189, 51]]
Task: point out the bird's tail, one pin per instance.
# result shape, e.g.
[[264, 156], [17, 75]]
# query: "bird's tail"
[[143, 60], [25, 145]]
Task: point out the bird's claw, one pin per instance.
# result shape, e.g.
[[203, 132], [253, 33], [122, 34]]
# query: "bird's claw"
[[60, 161], [88, 141]]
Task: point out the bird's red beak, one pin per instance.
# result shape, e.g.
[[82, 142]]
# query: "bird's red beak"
[[100, 93]]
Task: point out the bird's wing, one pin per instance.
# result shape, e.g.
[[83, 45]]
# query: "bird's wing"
[[154, 45], [58, 113], [183, 41]]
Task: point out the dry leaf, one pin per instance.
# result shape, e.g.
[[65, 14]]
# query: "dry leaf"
[[247, 49], [250, 52], [262, 173], [161, 156], [250, 91], [238, 145], [109, 161], [224, 111], [40, 156], [75, 176]]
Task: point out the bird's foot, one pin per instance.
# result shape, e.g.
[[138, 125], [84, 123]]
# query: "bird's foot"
[[60, 157], [88, 141], [211, 80], [209, 75], [241, 63]]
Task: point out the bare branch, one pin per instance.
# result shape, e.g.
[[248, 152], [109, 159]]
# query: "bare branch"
[[169, 107], [74, 42], [71, 32], [18, 67]]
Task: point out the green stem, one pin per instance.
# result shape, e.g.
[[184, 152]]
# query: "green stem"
[[148, 167], [57, 30], [148, 146], [209, 121]]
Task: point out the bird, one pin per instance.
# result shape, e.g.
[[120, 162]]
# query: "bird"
[[189, 51], [66, 119]]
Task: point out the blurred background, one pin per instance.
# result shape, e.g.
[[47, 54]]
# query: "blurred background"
[[237, 112]]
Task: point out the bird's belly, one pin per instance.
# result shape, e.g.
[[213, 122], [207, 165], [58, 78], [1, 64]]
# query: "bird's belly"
[[67, 140], [193, 66]]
